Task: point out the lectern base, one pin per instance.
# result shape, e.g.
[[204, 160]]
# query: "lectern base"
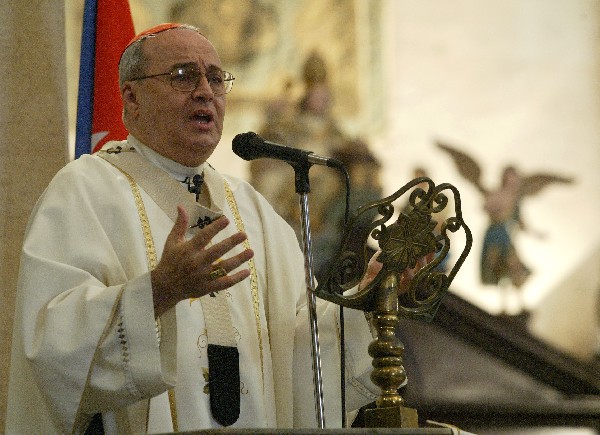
[[397, 417]]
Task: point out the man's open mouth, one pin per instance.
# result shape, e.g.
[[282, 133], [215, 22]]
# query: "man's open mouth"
[[203, 118]]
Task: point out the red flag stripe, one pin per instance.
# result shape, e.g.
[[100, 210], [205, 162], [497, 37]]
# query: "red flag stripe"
[[114, 30]]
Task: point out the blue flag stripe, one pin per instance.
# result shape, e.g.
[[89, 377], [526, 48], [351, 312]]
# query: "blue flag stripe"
[[85, 98]]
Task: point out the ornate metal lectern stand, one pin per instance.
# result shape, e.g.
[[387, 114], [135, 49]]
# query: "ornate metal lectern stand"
[[410, 237]]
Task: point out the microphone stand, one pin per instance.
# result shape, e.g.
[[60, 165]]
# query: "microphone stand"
[[302, 189]]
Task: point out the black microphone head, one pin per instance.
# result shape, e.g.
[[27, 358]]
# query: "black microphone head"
[[250, 146], [246, 145]]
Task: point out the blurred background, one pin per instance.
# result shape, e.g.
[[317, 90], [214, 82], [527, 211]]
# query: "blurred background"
[[381, 84], [505, 82]]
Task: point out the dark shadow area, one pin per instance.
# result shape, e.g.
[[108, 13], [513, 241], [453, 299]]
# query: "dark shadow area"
[[486, 374]]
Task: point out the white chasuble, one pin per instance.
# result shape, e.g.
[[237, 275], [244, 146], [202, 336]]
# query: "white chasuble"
[[86, 341]]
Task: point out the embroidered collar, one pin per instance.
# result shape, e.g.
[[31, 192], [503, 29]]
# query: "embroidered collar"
[[176, 170]]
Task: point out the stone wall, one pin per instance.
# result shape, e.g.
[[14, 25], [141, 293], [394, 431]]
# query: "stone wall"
[[33, 136]]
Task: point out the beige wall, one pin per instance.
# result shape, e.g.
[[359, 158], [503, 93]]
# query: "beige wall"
[[567, 316], [507, 82], [33, 134]]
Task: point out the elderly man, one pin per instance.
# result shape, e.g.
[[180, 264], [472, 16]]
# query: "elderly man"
[[147, 308]]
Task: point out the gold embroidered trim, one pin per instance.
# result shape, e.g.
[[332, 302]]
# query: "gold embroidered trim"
[[148, 240], [152, 262], [173, 409], [253, 276]]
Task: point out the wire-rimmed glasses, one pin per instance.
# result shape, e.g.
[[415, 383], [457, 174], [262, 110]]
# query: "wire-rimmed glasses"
[[185, 78]]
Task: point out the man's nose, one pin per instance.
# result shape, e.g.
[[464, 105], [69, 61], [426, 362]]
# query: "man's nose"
[[203, 89]]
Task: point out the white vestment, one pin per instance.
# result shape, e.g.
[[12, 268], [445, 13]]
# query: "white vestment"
[[86, 341]]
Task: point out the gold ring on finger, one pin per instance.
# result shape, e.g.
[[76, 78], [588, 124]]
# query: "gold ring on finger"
[[217, 272]]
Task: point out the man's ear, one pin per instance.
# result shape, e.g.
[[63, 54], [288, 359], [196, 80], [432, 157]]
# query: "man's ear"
[[129, 97]]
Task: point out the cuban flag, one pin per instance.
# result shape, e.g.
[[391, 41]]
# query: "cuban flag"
[[107, 29]]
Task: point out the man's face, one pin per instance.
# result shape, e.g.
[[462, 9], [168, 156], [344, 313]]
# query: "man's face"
[[183, 126]]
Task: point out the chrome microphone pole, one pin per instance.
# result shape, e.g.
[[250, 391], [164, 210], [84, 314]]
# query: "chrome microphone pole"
[[302, 189], [250, 146]]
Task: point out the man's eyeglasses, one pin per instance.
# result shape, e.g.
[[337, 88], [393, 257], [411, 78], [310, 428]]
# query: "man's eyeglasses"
[[186, 78]]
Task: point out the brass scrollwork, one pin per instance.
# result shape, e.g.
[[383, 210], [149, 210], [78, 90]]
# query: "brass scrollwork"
[[403, 241]]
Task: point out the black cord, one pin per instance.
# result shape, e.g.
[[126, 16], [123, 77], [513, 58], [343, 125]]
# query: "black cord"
[[338, 165], [194, 184]]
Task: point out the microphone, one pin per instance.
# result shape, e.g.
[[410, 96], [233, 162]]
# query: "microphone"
[[250, 146]]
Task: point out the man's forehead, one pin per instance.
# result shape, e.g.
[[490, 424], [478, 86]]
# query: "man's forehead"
[[181, 45], [180, 38]]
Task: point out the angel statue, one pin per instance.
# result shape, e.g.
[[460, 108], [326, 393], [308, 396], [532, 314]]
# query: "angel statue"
[[500, 263]]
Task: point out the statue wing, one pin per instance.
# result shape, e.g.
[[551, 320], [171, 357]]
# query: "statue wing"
[[532, 184], [466, 165]]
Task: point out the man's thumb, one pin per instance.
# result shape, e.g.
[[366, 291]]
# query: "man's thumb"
[[181, 224]]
